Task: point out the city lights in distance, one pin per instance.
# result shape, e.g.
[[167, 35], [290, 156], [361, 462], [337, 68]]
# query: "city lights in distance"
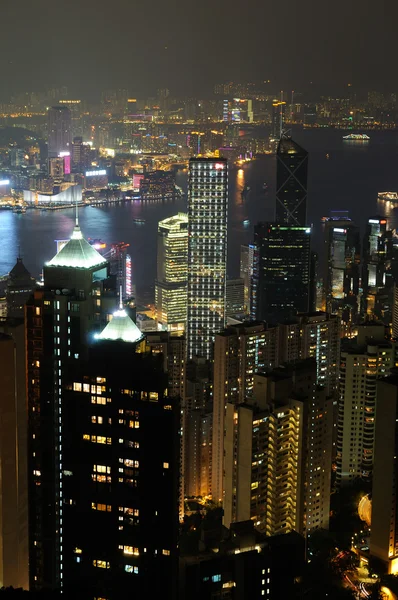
[[95, 173], [62, 154], [4, 182]]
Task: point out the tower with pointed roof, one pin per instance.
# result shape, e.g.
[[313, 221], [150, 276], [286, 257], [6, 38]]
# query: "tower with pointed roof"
[[62, 317], [20, 285], [291, 183]]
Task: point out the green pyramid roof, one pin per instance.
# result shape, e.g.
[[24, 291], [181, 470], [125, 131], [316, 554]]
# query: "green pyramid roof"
[[77, 253], [121, 327]]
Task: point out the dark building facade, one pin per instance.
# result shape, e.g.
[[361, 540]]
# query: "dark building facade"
[[291, 183], [245, 565], [20, 285], [281, 272], [97, 400], [121, 489], [59, 130]]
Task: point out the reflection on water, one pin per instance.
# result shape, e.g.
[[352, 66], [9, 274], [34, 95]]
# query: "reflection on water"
[[350, 179]]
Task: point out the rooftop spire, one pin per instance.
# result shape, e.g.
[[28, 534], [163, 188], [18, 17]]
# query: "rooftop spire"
[[77, 212]]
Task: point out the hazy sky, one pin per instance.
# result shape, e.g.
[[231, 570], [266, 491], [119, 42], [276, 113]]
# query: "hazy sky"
[[189, 45]]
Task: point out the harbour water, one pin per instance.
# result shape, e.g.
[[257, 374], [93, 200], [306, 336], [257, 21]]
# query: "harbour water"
[[342, 176]]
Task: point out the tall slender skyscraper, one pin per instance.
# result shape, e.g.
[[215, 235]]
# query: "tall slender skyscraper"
[[291, 183], [172, 273], [59, 130], [59, 318], [207, 252]]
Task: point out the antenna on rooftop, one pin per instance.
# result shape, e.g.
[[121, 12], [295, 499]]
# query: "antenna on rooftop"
[[77, 212]]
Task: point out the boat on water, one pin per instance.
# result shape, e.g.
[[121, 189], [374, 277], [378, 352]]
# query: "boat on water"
[[19, 210], [245, 191], [139, 221], [356, 137], [388, 197]]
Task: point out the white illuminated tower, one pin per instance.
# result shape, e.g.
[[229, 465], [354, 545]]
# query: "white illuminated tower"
[[207, 252]]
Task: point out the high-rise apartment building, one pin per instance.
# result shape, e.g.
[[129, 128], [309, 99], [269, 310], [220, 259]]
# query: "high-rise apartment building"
[[207, 252], [171, 286], [342, 268], [281, 272], [313, 335], [241, 351], [291, 183], [278, 453], [59, 130], [366, 359], [384, 532]]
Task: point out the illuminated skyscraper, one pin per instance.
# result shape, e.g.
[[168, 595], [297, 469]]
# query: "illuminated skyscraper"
[[342, 268], [281, 272], [207, 252], [171, 293], [291, 183], [59, 130]]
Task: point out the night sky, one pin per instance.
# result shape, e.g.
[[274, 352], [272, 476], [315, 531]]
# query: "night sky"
[[190, 45]]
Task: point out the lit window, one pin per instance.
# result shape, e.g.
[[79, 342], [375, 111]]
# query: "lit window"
[[102, 564], [166, 465], [131, 569], [86, 436], [77, 387], [216, 578], [166, 552], [37, 311], [131, 550], [86, 388]]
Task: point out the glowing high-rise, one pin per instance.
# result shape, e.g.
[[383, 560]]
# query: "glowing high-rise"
[[171, 294], [207, 252]]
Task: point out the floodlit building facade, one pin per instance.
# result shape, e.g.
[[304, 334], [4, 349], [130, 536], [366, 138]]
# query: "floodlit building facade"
[[171, 286], [207, 252]]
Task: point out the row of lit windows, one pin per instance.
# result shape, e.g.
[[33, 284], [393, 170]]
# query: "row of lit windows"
[[87, 388], [97, 439]]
